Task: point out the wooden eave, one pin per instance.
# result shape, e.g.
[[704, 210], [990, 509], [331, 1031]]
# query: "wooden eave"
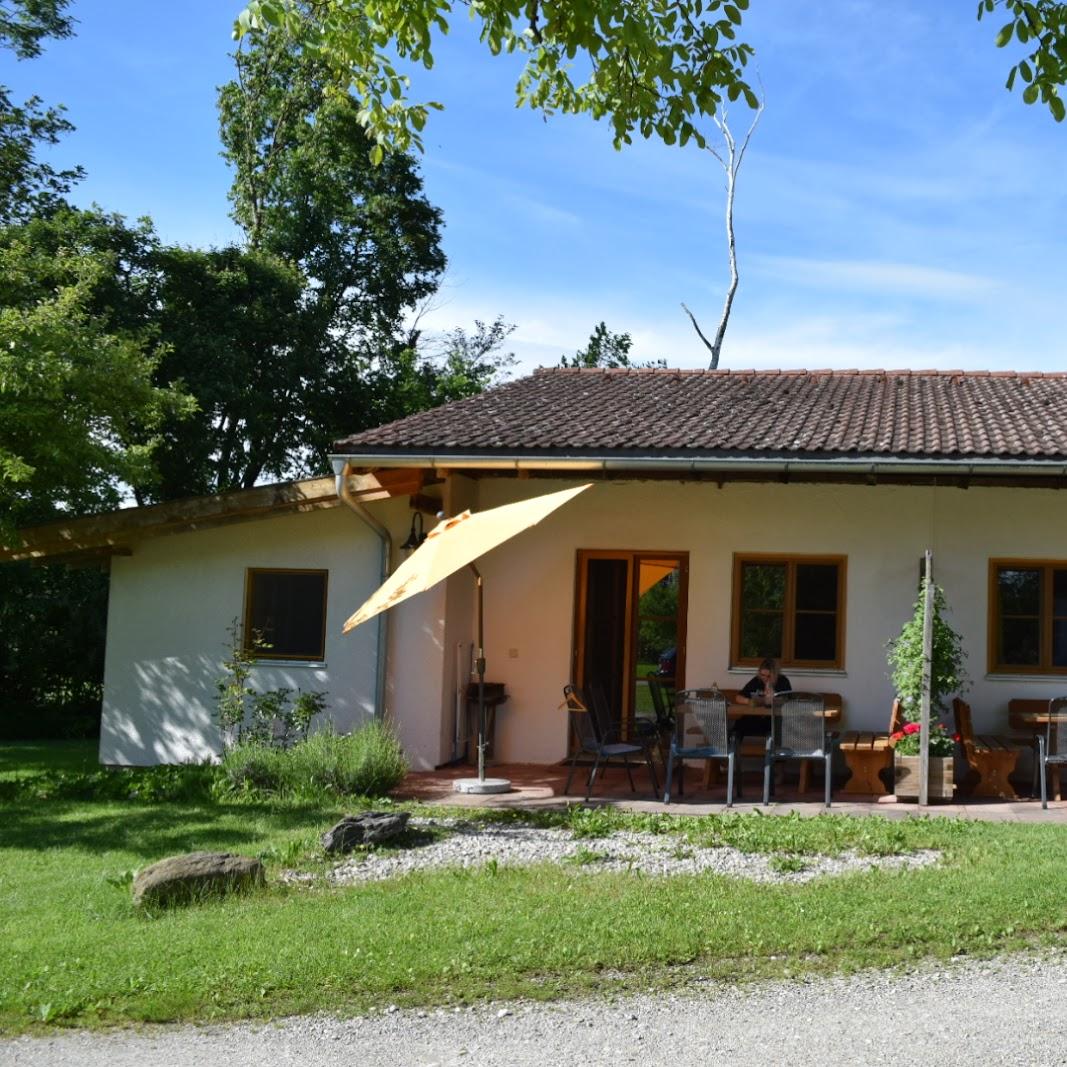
[[97, 537]]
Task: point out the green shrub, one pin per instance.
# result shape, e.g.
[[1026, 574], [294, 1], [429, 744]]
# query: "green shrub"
[[368, 762], [251, 767]]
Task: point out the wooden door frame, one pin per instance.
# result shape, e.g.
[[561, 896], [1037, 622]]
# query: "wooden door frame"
[[633, 558]]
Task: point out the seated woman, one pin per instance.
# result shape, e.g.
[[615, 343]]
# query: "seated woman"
[[760, 690]]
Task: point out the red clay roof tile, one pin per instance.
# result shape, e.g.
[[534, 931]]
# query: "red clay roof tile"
[[936, 414]]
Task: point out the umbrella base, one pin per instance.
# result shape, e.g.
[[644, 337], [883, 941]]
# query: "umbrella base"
[[482, 786]]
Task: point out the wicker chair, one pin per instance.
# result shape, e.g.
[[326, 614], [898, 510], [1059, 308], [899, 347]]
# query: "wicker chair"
[[798, 732], [702, 731], [1052, 745], [592, 737]]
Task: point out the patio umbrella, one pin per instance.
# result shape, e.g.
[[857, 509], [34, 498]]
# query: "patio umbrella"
[[451, 545]]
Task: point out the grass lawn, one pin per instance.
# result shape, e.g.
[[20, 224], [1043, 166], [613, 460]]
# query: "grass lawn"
[[20, 759], [76, 952]]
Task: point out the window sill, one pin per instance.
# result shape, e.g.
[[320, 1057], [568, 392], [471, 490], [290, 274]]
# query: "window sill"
[[1060, 677], [835, 672], [319, 663]]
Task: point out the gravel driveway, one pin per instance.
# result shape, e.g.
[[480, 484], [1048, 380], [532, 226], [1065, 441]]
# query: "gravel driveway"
[[1007, 1011]]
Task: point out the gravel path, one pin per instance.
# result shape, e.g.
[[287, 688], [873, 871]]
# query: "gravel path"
[[475, 844], [1008, 1011]]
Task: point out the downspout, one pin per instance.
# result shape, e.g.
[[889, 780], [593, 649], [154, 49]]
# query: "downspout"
[[386, 540]]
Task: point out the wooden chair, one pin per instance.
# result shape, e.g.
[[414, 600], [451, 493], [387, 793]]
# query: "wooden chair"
[[867, 754], [990, 758]]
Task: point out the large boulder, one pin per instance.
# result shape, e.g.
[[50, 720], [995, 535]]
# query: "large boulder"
[[194, 876], [366, 829]]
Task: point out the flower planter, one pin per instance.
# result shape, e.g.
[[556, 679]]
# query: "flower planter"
[[906, 777]]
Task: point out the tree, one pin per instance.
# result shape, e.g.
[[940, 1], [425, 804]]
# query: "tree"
[[28, 186], [1042, 25], [606, 349], [654, 67], [78, 406], [730, 158], [305, 191]]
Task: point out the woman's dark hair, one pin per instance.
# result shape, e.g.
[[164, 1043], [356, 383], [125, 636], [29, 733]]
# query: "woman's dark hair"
[[770, 664]]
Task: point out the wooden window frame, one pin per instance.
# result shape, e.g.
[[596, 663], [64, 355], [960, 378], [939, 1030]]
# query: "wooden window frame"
[[270, 654], [789, 610], [1045, 617]]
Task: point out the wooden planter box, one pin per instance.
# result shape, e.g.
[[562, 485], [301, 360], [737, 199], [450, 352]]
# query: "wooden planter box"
[[906, 777]]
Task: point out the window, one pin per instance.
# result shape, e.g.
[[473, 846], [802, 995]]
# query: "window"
[[1028, 616], [286, 610], [791, 608]]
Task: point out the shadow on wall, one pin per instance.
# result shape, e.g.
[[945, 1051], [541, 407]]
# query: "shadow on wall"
[[166, 711]]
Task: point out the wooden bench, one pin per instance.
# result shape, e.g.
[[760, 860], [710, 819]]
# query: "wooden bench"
[[990, 758], [866, 755]]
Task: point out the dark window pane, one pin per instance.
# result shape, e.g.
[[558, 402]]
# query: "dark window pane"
[[761, 635], [1020, 591], [1059, 643], [816, 637], [1020, 642], [763, 585], [1059, 592], [816, 587], [287, 612]]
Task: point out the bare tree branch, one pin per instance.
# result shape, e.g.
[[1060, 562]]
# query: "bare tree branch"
[[730, 160]]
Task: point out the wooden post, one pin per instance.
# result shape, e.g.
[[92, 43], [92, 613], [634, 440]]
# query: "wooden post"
[[928, 655]]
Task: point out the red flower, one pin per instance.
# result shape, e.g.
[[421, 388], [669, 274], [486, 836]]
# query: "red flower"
[[955, 737], [912, 728], [895, 737]]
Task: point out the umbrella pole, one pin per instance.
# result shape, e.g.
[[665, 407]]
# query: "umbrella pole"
[[479, 664]]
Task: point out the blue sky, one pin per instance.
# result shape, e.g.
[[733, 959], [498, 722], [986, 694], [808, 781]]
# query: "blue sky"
[[898, 208]]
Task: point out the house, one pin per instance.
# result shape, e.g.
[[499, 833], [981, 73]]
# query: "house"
[[733, 514]]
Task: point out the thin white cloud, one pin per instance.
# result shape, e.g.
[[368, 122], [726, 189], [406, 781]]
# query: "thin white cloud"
[[873, 276]]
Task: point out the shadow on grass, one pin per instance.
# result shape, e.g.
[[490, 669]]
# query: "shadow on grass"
[[19, 759], [152, 831]]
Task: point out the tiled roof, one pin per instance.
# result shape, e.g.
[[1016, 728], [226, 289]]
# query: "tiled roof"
[[674, 412]]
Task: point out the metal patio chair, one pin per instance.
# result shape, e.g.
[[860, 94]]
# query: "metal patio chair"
[[798, 732], [1052, 745], [702, 731], [594, 737]]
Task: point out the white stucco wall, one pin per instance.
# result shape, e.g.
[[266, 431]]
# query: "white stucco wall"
[[171, 603], [173, 599], [882, 530]]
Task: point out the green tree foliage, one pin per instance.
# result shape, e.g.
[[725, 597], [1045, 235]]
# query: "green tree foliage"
[[29, 186], [304, 191], [1040, 26], [366, 242], [654, 67], [78, 405], [905, 654], [606, 349], [52, 622]]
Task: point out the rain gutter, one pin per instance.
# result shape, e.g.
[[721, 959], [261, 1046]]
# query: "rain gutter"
[[683, 465], [343, 469]]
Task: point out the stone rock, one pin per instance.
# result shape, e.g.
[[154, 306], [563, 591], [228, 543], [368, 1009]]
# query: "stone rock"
[[366, 829], [195, 875]]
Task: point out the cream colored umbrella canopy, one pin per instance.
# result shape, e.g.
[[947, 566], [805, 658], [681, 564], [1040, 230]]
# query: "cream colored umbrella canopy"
[[453, 544], [450, 546]]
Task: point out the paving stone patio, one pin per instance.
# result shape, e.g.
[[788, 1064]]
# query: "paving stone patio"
[[540, 786]]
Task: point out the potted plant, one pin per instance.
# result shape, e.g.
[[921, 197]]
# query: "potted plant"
[[947, 677]]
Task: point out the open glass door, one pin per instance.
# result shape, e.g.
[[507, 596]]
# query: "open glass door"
[[631, 611]]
